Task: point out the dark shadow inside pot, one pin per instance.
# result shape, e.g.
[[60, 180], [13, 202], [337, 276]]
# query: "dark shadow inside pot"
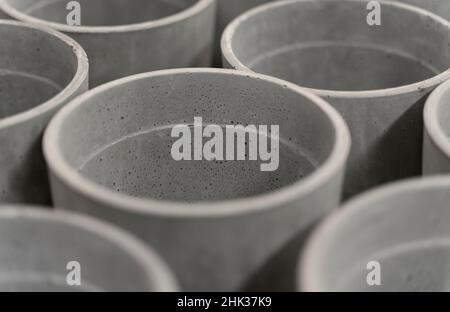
[[34, 67], [330, 46], [103, 12], [121, 138]]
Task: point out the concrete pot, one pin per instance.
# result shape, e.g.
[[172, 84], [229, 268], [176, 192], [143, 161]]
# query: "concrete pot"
[[40, 71], [123, 37], [401, 231], [38, 249], [377, 77], [436, 149], [226, 12], [221, 225]]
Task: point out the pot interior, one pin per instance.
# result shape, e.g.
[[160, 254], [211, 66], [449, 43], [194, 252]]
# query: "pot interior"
[[406, 232], [121, 138], [103, 12], [329, 45], [34, 67], [34, 253]]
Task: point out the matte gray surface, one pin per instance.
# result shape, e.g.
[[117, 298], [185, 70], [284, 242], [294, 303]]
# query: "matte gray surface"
[[36, 246], [216, 223], [40, 71], [440, 7], [123, 37], [404, 226], [436, 150], [377, 77], [226, 12]]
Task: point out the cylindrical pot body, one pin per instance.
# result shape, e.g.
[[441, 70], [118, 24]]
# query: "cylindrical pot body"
[[436, 145], [221, 223], [395, 238], [376, 76], [57, 251], [123, 37], [41, 70]]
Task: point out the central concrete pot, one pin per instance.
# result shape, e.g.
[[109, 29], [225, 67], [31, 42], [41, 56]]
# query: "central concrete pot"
[[221, 225], [40, 249], [123, 37], [377, 77], [436, 149], [40, 71], [397, 236]]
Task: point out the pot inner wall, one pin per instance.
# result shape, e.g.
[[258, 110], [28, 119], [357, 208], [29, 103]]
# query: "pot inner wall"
[[329, 45], [103, 12]]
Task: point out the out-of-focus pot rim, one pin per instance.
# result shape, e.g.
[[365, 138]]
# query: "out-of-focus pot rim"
[[159, 278], [193, 10], [233, 60], [81, 75], [309, 278]]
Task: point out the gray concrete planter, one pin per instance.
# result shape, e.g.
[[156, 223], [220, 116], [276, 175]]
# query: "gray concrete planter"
[[436, 149], [38, 249], [377, 77], [404, 227], [227, 11], [40, 71], [221, 225], [126, 37]]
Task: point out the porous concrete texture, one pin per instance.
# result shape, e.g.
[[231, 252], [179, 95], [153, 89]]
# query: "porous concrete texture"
[[40, 70], [38, 248], [377, 77], [221, 225], [436, 146], [403, 228], [123, 37]]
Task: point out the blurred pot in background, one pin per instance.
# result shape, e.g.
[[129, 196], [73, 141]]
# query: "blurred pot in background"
[[56, 251], [226, 12], [377, 76], [395, 238], [123, 37], [40, 71], [436, 149]]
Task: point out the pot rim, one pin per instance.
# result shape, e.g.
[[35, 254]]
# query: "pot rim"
[[233, 60], [192, 10], [334, 163], [431, 118], [159, 277], [307, 265], [73, 86]]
